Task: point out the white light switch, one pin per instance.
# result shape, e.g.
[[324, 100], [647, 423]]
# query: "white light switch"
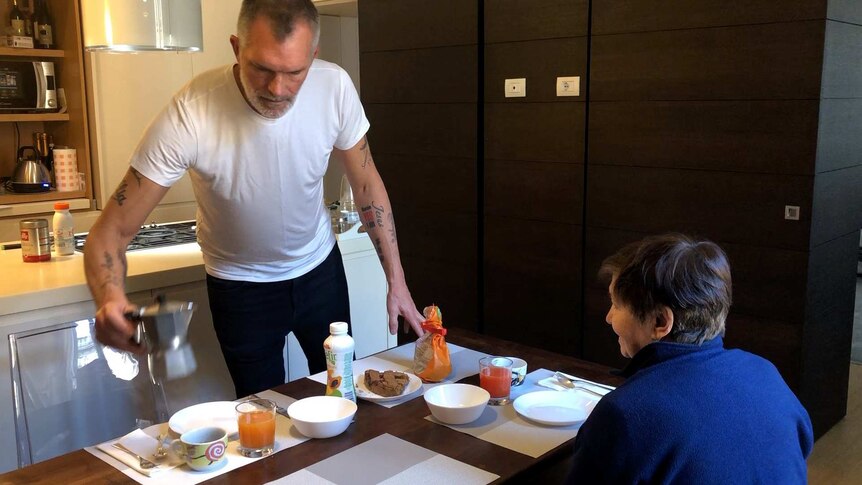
[[516, 88], [569, 86], [791, 212]]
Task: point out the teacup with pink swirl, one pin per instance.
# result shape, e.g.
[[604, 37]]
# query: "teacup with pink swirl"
[[202, 448]]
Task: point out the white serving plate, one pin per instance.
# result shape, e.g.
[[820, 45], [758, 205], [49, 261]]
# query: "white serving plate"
[[555, 408], [361, 392], [221, 414]]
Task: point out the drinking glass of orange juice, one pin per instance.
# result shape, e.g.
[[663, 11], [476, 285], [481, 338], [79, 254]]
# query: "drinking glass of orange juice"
[[495, 376], [256, 420]]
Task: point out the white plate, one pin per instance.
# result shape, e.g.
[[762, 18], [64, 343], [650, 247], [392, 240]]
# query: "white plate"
[[555, 408], [217, 413], [362, 393]]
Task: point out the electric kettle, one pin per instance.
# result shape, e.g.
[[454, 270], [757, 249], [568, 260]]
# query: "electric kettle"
[[30, 174]]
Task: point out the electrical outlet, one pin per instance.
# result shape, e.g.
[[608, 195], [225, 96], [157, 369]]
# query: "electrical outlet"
[[569, 86], [791, 212], [516, 88]]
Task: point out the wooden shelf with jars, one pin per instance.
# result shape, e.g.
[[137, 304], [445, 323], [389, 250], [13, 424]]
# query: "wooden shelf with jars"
[[69, 129]]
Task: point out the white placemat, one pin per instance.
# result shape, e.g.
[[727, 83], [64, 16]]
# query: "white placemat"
[[465, 363], [503, 426], [388, 460], [286, 436]]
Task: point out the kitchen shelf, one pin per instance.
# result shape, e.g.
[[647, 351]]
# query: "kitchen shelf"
[[35, 117], [40, 197], [13, 51]]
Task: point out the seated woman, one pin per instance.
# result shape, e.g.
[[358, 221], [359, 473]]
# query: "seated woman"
[[690, 411]]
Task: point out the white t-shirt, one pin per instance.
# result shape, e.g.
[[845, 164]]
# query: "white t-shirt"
[[258, 181]]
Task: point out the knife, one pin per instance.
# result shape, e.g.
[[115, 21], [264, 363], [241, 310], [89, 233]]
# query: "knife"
[[589, 383]]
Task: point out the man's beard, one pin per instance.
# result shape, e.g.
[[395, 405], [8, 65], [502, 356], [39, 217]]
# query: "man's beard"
[[257, 100]]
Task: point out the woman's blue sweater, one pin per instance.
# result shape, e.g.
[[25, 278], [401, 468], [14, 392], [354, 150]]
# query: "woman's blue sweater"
[[695, 414]]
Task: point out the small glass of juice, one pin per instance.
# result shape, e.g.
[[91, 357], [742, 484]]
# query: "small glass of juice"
[[256, 420], [495, 376]]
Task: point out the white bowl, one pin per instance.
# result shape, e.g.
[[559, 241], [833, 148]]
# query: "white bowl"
[[456, 403], [322, 416]]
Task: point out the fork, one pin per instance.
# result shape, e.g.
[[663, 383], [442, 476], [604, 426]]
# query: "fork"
[[145, 464]]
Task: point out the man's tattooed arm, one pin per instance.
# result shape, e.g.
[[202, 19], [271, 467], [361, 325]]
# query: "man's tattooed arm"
[[120, 193]]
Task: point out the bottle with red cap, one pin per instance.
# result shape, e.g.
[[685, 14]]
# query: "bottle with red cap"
[[64, 230]]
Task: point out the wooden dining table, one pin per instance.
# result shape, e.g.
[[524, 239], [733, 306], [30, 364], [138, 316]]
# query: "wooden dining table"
[[405, 421]]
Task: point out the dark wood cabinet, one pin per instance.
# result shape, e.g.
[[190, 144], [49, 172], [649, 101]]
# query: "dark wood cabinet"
[[693, 116]]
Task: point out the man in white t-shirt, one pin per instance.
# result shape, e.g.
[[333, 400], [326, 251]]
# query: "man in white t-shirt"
[[256, 147]]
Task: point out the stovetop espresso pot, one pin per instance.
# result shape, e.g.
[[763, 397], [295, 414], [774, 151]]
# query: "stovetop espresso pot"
[[163, 329]]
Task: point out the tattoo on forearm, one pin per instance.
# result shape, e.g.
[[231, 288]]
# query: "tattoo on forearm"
[[392, 228], [367, 216], [120, 194], [121, 256], [377, 247], [378, 214], [110, 275], [137, 175], [109, 262]]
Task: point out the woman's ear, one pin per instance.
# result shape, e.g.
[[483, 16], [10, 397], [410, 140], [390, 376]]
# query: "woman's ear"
[[663, 322]]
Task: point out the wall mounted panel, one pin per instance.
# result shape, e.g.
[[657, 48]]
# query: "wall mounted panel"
[[538, 191], [552, 132], [837, 204], [532, 282], [415, 24], [439, 75], [440, 129], [839, 140], [768, 61], [540, 19], [732, 207], [429, 184], [737, 136], [651, 15]]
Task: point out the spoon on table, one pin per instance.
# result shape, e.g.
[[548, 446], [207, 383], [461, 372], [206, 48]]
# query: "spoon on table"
[[145, 464], [566, 382]]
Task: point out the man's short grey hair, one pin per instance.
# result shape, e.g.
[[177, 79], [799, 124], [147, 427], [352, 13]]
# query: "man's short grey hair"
[[282, 16]]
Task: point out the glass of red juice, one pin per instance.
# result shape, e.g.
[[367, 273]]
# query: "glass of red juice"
[[495, 376]]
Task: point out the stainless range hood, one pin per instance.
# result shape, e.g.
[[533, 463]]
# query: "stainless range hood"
[[142, 25]]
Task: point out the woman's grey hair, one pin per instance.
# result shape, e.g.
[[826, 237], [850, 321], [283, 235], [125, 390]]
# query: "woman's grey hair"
[[282, 15], [691, 277]]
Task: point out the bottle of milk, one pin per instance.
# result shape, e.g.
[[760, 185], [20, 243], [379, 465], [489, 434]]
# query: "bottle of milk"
[[338, 348]]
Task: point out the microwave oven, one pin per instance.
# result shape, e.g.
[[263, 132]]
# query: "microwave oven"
[[27, 87]]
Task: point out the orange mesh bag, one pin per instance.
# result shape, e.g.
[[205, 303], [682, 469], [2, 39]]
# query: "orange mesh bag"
[[431, 360]]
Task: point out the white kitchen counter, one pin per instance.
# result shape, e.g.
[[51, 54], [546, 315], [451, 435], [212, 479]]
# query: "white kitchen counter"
[[31, 286]]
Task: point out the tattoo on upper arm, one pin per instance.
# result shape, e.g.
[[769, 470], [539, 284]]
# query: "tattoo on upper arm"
[[120, 194], [137, 175], [366, 153], [392, 227]]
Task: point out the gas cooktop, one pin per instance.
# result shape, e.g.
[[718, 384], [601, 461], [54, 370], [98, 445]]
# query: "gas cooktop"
[[154, 236]]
